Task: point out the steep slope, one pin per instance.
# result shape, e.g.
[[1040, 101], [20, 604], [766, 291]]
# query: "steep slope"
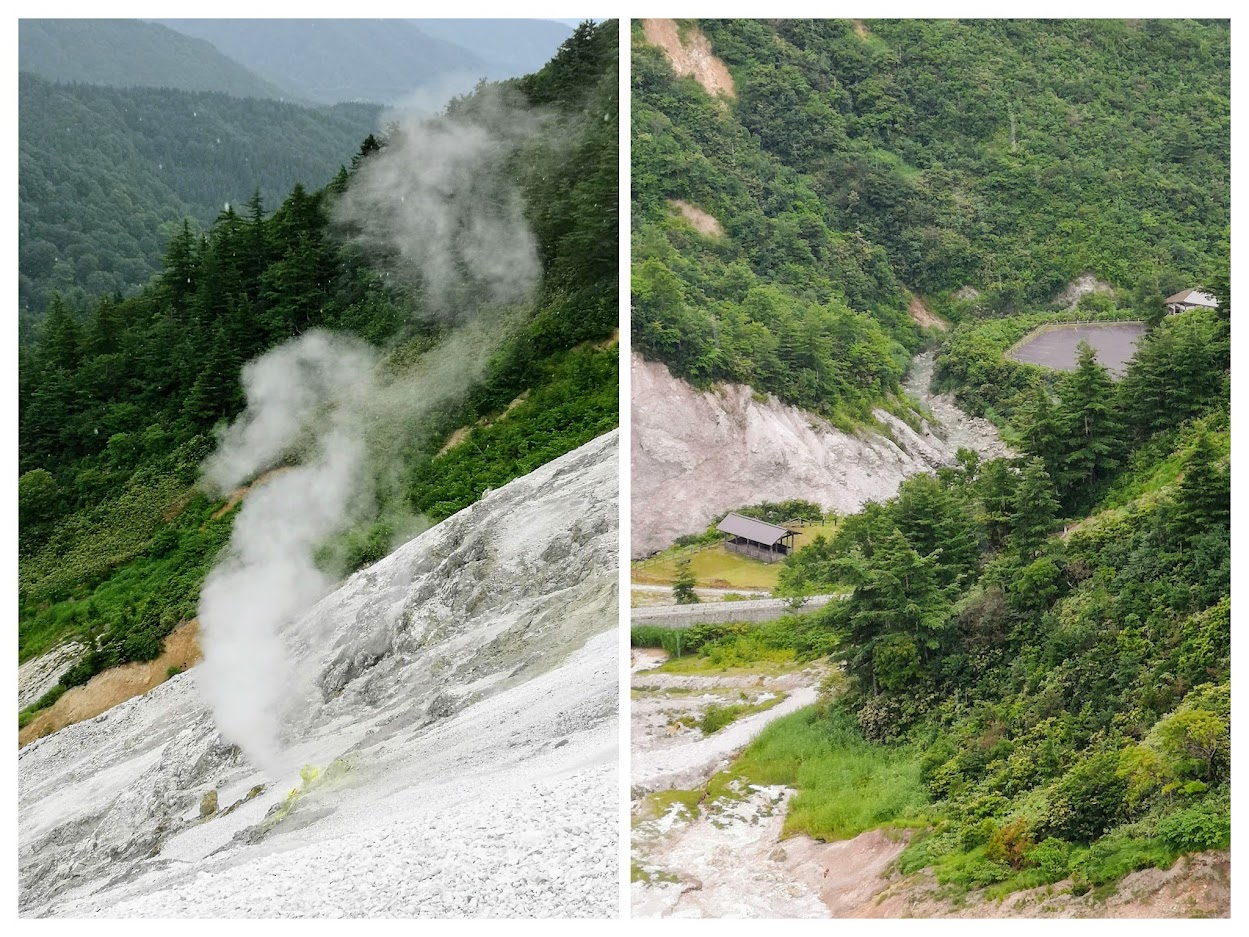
[[106, 174], [347, 60], [132, 54], [118, 407], [699, 453], [459, 700]]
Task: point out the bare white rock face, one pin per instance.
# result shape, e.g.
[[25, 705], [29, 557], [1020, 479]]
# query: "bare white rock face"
[[698, 453], [461, 692]]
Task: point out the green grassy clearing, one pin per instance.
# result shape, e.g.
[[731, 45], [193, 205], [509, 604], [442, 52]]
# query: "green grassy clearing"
[[845, 784], [717, 568]]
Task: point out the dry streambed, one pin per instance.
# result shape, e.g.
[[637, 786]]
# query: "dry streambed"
[[708, 845]]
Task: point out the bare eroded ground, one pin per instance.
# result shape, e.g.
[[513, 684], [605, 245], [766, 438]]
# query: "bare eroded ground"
[[716, 850], [703, 223], [693, 57], [923, 316], [1197, 886], [105, 690]]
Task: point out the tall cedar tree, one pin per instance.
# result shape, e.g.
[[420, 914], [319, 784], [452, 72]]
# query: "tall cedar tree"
[[1035, 513], [1090, 426]]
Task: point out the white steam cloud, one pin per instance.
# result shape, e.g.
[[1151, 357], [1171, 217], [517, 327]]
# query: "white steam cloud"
[[435, 203], [268, 574], [435, 208]]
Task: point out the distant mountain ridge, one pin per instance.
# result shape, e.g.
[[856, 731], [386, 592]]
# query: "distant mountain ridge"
[[380, 60], [133, 54], [512, 46]]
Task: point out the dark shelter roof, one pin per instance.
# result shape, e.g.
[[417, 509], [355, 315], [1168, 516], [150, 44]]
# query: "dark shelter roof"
[[751, 529]]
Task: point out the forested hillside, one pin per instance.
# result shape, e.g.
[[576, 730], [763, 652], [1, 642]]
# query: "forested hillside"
[[107, 175], [132, 54], [118, 405], [1037, 648], [982, 165]]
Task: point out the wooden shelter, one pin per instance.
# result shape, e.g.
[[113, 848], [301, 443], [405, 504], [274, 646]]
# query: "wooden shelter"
[[1190, 299], [756, 538]]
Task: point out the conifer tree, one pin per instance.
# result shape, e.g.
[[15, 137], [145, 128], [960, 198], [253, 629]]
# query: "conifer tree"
[[1204, 494], [1035, 510], [1089, 423], [996, 490], [683, 585], [898, 609], [1042, 433]]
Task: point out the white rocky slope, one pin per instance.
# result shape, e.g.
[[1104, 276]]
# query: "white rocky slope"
[[698, 453], [464, 691]]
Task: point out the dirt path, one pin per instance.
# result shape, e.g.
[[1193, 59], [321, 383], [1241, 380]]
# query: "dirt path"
[[957, 427]]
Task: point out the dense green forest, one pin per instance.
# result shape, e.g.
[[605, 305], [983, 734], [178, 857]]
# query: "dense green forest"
[[982, 165], [107, 175], [118, 403], [1036, 648]]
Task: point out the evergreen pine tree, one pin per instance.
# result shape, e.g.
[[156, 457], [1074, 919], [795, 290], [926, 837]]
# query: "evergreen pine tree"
[[61, 343], [1035, 513], [995, 489], [897, 614], [1090, 426], [1041, 433], [683, 585], [1203, 498]]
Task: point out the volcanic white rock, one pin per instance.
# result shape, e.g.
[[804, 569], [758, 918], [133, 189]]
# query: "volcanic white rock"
[[460, 709]]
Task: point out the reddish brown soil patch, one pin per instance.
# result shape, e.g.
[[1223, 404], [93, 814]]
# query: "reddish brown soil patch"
[[861, 30], [924, 317], [693, 57], [703, 223], [238, 494], [1196, 886], [105, 690]]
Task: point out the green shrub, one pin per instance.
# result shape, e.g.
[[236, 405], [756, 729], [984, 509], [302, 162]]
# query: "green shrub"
[[1206, 825], [1052, 857], [1089, 799]]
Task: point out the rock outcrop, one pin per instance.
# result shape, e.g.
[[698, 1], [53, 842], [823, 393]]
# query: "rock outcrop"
[[698, 453]]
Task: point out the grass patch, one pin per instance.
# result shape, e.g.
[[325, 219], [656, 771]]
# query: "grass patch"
[[716, 717], [783, 663], [714, 567], [845, 784], [658, 803], [740, 645]]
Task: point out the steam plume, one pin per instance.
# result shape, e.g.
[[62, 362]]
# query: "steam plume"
[[436, 202], [435, 205]]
